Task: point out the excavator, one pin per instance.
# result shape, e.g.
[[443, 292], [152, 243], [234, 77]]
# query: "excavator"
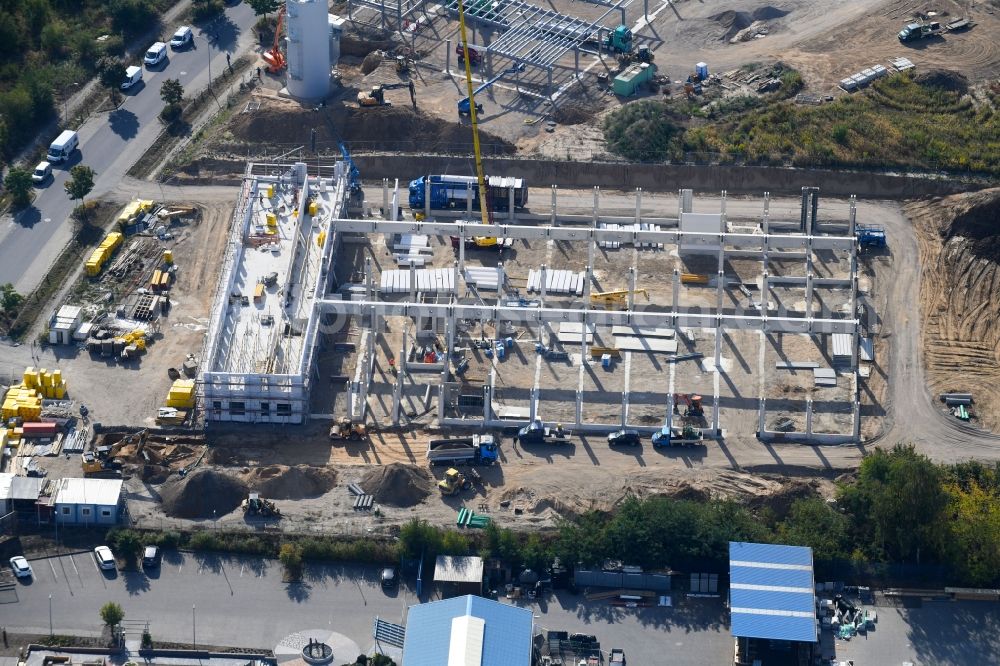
[[255, 505], [614, 300], [105, 462], [274, 58], [453, 483], [344, 430], [692, 402], [376, 97]]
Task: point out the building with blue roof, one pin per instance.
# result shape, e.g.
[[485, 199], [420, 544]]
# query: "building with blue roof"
[[772, 593], [467, 631]]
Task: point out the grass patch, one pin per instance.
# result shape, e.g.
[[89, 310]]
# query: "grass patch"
[[899, 122]]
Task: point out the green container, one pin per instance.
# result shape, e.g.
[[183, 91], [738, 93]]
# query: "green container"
[[628, 82]]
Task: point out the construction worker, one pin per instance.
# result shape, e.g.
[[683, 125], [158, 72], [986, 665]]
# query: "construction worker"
[[229, 63]]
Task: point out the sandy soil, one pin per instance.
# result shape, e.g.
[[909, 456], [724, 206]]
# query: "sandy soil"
[[960, 260]]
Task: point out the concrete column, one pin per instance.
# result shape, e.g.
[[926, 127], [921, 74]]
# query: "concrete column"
[[447, 56], [719, 332], [638, 205], [804, 209], [576, 61], [457, 279], [761, 418], [462, 238], [767, 213], [397, 394], [449, 342], [500, 289], [543, 270], [548, 90], [677, 290], [631, 289], [852, 218], [587, 277], [720, 288], [385, 199], [468, 204], [809, 417], [578, 412], [383, 15], [857, 420], [413, 283], [368, 282], [510, 203], [687, 201], [488, 398], [723, 211], [764, 294], [552, 215], [809, 296]]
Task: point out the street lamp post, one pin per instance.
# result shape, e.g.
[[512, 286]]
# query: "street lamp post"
[[194, 624], [51, 632]]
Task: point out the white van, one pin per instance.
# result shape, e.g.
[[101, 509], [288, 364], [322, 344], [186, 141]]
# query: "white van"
[[63, 146], [41, 173], [156, 54], [182, 38], [133, 75]]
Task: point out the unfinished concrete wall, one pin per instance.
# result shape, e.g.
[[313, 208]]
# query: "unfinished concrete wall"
[[651, 177]]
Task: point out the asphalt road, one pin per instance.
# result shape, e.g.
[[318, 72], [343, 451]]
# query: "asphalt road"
[[110, 143], [242, 602]]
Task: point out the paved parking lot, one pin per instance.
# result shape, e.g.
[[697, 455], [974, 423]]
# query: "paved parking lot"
[[937, 633], [242, 601]]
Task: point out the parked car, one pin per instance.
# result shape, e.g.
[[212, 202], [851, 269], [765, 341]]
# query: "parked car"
[[133, 75], [41, 173], [389, 578], [105, 558], [182, 38], [151, 556], [624, 438], [21, 567], [156, 54]]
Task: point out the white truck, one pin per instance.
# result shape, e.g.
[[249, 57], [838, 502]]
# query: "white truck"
[[63, 146]]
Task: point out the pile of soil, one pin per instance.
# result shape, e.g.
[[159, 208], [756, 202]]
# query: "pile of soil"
[[280, 482], [388, 128], [960, 297], [768, 13], [943, 79], [397, 484], [572, 114], [204, 493], [732, 22], [371, 62]]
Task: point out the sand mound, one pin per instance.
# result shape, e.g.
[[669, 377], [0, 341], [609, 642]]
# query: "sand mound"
[[371, 62], [943, 80], [204, 493], [978, 224], [397, 484], [732, 22], [280, 482], [768, 13]]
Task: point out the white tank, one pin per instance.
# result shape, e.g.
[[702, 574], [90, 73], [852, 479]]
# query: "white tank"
[[308, 49]]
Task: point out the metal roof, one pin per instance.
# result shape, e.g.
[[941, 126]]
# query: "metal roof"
[[772, 592], [842, 344], [26, 488], [450, 633], [99, 492], [453, 569]]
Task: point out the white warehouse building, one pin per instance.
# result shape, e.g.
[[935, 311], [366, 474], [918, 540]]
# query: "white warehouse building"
[[258, 359]]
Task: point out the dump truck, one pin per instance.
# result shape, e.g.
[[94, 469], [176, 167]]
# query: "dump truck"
[[916, 31], [474, 450], [669, 437], [344, 430], [453, 483], [537, 433]]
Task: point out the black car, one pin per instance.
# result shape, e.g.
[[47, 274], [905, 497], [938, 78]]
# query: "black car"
[[388, 578], [151, 556], [624, 438]]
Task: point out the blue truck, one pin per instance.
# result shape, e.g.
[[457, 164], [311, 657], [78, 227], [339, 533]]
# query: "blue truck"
[[449, 192], [475, 450]]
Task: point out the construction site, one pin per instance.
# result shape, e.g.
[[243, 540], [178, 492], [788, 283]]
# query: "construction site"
[[303, 346]]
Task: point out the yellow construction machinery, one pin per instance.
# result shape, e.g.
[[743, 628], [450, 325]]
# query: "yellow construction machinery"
[[344, 430], [693, 278], [453, 482], [484, 208], [376, 96], [614, 300]]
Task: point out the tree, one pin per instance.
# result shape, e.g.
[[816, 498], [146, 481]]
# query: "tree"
[[975, 532], [264, 7], [80, 183], [131, 16], [111, 72], [18, 183], [290, 556], [10, 300], [171, 92], [813, 522], [112, 614]]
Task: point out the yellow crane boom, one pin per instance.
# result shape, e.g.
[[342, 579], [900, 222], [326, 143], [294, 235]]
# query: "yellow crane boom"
[[483, 203]]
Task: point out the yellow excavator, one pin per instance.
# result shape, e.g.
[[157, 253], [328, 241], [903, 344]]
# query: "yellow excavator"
[[614, 300], [344, 430], [376, 96]]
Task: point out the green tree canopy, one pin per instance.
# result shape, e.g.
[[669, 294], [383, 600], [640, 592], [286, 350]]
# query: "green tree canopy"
[[18, 183], [172, 92], [112, 614], [264, 7], [80, 183]]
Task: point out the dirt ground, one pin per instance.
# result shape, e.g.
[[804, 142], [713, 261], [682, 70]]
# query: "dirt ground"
[[960, 307]]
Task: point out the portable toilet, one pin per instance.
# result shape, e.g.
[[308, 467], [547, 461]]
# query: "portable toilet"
[[701, 69]]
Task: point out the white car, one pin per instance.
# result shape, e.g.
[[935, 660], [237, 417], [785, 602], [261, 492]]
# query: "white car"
[[21, 567], [41, 172], [156, 54], [182, 38], [105, 558]]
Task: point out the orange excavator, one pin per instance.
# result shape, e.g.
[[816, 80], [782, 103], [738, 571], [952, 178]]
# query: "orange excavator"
[[693, 402], [274, 58]]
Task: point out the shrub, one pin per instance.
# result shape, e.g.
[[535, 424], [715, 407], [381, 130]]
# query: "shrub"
[[290, 556], [640, 131], [18, 182]]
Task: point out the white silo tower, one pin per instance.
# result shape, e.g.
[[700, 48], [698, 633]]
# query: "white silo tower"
[[308, 49]]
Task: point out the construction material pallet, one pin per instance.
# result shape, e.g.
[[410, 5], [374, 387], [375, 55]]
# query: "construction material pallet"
[[469, 518]]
